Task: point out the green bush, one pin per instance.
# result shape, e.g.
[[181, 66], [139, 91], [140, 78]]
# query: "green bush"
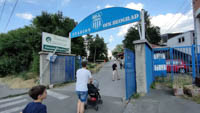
[[35, 64], [153, 85]]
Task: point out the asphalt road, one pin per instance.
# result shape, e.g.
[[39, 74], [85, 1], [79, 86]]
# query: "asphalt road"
[[64, 99]]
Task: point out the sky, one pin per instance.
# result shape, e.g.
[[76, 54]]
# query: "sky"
[[170, 15]]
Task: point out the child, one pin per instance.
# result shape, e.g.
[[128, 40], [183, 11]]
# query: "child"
[[38, 94]]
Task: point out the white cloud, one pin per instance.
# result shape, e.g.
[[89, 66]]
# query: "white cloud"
[[27, 16], [65, 2], [111, 39], [84, 36], [179, 22], [98, 7], [136, 6], [124, 29], [108, 6]]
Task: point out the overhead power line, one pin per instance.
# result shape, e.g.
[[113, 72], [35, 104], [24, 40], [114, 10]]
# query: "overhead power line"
[[179, 9], [13, 10], [2, 10], [178, 19]]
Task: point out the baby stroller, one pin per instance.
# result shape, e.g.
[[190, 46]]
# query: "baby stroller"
[[94, 97]]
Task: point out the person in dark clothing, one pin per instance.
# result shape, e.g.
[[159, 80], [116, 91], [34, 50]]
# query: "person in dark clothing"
[[115, 72], [114, 66], [120, 63], [38, 94]]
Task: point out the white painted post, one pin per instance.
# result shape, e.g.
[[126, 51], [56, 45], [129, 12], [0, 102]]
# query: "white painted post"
[[143, 24], [69, 44], [139, 30]]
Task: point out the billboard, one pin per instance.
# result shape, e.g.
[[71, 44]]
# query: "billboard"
[[50, 42]]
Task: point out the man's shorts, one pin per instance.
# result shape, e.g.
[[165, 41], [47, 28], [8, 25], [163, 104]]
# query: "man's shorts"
[[82, 95]]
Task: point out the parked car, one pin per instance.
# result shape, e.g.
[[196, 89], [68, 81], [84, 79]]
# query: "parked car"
[[178, 66]]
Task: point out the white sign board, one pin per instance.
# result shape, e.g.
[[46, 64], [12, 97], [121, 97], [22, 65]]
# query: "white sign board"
[[50, 42]]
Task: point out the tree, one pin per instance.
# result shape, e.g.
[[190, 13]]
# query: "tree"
[[97, 47], [152, 33], [131, 36], [62, 26], [118, 49], [16, 50], [19, 48]]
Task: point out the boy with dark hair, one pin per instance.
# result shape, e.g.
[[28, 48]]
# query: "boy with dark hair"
[[38, 94]]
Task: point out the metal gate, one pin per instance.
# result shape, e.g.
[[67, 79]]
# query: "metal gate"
[[176, 62], [130, 73], [62, 70]]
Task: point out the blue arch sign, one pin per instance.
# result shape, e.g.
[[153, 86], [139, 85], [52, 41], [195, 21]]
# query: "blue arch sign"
[[105, 19]]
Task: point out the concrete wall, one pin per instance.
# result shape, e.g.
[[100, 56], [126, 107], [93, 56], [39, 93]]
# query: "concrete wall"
[[44, 69], [140, 64], [61, 70], [196, 12], [197, 23]]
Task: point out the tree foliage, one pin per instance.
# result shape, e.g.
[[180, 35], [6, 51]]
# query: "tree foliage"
[[62, 26], [16, 50], [118, 49], [97, 48], [19, 48], [152, 34]]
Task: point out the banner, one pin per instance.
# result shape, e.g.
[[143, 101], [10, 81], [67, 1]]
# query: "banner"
[[50, 42], [105, 19]]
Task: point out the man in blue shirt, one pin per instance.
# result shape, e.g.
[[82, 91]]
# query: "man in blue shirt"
[[38, 94]]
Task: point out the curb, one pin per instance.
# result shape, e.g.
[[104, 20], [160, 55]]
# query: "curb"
[[15, 95]]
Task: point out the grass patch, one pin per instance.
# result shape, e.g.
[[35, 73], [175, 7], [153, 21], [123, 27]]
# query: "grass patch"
[[136, 96], [63, 84], [195, 99], [181, 81], [27, 75], [94, 67], [153, 85], [178, 81], [163, 81], [18, 82]]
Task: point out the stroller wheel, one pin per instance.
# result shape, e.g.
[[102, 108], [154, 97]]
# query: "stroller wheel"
[[86, 106], [96, 108], [100, 101]]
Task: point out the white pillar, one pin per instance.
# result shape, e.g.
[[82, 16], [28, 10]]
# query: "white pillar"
[[143, 24], [70, 44], [197, 21]]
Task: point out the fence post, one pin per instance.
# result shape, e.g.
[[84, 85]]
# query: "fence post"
[[50, 69], [171, 63], [193, 62], [152, 54]]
